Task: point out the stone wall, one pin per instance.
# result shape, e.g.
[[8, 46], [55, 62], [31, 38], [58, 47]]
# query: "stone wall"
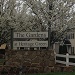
[[37, 61]]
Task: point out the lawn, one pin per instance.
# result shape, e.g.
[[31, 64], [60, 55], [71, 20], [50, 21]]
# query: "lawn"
[[56, 73]]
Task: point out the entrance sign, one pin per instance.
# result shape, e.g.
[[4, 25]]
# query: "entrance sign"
[[30, 35], [34, 40], [30, 44]]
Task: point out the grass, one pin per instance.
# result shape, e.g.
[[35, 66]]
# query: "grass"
[[56, 73]]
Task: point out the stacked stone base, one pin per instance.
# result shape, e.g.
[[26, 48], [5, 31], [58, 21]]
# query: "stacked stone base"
[[38, 61], [64, 68]]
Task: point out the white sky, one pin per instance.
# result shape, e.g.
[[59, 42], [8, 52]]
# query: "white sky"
[[42, 0]]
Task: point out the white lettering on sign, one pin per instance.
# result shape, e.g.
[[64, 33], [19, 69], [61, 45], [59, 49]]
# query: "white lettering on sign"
[[30, 35], [30, 44]]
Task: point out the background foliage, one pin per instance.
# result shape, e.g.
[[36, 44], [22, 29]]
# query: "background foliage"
[[37, 15]]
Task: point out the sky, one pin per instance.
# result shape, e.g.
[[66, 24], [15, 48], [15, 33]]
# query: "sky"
[[20, 7]]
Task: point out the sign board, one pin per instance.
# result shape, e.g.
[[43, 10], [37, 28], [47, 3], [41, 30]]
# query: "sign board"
[[30, 44], [30, 35]]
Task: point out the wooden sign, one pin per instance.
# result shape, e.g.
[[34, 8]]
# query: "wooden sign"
[[30, 35], [30, 44]]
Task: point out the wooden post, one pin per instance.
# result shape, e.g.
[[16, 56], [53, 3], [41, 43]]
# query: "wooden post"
[[11, 38], [49, 38]]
